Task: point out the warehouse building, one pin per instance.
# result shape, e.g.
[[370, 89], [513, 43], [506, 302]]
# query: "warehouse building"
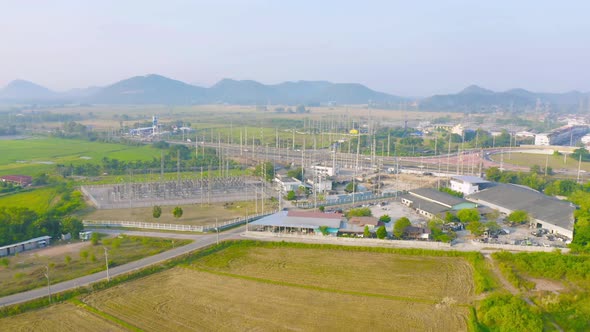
[[15, 248], [433, 203], [547, 212]]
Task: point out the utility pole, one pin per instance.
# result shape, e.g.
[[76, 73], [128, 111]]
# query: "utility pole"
[[217, 229], [106, 259], [48, 283]]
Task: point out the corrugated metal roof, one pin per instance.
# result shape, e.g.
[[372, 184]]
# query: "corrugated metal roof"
[[538, 205], [37, 239], [438, 196], [283, 219]]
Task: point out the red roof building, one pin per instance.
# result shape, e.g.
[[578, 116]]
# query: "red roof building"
[[22, 180]]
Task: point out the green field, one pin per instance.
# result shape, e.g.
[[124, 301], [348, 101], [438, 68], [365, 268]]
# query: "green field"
[[26, 270], [38, 200], [529, 159], [34, 155]]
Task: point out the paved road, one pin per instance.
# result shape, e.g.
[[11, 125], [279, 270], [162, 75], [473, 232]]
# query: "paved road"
[[199, 241]]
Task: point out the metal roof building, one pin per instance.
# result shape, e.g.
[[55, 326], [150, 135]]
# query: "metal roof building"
[[298, 222], [545, 211], [14, 248]]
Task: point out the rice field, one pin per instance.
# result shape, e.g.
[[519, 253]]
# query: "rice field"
[[62, 317], [248, 287], [34, 155]]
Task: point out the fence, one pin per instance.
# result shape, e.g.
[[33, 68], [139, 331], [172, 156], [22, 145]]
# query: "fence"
[[173, 227], [356, 241], [358, 198]]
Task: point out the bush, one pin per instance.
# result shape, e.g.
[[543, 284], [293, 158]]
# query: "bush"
[[509, 313], [177, 212], [359, 212], [385, 218], [95, 238], [156, 211], [400, 227], [381, 232]]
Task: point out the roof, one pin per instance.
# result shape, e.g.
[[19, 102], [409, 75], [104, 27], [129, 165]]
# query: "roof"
[[364, 221], [37, 239], [307, 214], [437, 196], [284, 219], [422, 204], [538, 205], [469, 179], [417, 230], [17, 178]]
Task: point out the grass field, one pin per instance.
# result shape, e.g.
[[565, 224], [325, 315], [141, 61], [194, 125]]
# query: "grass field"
[[37, 199], [289, 288], [26, 271], [61, 317], [34, 155], [195, 214], [530, 159]]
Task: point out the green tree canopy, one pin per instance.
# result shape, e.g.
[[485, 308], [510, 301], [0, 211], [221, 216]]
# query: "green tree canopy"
[[381, 232], [468, 215], [518, 217], [400, 227], [385, 218], [366, 232], [156, 211], [177, 212]]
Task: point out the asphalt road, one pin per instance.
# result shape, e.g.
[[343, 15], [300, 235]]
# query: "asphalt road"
[[199, 241]]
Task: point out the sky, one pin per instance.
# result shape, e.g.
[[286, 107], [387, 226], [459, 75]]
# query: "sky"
[[409, 48]]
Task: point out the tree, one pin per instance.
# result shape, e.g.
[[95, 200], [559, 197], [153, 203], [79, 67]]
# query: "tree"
[[475, 227], [366, 232], [291, 195], [322, 208], [449, 217], [156, 211], [518, 217], [84, 255], [385, 218], [296, 173], [381, 232], [359, 212], [351, 187], [324, 230], [400, 227], [468, 215], [94, 239], [72, 225], [177, 212], [265, 170], [492, 226]]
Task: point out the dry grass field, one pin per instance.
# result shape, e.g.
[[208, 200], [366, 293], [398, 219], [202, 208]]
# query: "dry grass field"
[[62, 317], [195, 214], [26, 270], [183, 299], [271, 288]]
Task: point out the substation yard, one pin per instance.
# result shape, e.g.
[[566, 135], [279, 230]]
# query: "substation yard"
[[250, 286]]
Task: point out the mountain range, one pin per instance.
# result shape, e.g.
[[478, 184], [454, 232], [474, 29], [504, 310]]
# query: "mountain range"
[[156, 89]]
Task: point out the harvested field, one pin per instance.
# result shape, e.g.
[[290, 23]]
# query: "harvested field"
[[184, 299], [61, 317], [263, 287], [405, 276]]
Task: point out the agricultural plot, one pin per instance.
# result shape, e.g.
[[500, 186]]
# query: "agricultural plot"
[[26, 271], [34, 155], [62, 317], [529, 159], [246, 287], [37, 199]]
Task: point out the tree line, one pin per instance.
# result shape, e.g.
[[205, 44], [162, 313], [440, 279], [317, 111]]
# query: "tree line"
[[20, 224]]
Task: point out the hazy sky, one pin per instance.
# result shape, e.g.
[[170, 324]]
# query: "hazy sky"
[[401, 47]]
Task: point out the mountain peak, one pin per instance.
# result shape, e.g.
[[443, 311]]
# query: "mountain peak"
[[476, 89], [22, 89]]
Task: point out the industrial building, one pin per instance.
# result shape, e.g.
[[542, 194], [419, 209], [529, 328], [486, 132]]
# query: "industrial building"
[[467, 184], [566, 135], [432, 203], [11, 249], [547, 212], [298, 222]]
